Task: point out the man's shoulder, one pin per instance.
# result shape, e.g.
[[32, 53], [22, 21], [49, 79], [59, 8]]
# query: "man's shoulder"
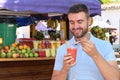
[[99, 41], [62, 47]]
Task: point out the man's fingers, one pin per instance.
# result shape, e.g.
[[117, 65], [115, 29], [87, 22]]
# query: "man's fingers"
[[69, 61], [68, 58], [73, 64]]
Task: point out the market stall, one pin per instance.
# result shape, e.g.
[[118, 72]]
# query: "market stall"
[[46, 6], [38, 64]]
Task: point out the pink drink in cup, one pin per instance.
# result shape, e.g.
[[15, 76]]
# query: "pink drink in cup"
[[73, 52]]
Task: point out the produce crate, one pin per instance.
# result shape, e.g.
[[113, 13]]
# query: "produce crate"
[[8, 30], [27, 41]]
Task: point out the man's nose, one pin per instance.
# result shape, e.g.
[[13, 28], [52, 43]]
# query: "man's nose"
[[76, 25]]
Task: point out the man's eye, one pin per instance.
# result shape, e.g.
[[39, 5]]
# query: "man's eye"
[[79, 22], [71, 22]]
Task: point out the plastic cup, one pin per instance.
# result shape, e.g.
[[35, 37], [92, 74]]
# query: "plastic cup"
[[73, 52], [53, 44], [53, 52], [58, 43], [47, 52], [35, 44], [42, 53]]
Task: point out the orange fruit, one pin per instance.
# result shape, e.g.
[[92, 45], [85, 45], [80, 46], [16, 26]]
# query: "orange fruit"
[[25, 46], [20, 47], [6, 48], [16, 43], [15, 55]]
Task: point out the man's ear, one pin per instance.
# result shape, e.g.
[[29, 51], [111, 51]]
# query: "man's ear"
[[90, 21]]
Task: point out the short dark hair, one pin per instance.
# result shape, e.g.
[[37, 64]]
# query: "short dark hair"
[[79, 8]]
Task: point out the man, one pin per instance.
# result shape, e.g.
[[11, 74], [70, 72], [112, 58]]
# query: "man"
[[95, 58]]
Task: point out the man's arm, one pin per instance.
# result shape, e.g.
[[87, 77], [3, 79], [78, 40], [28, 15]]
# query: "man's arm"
[[59, 75], [109, 70], [62, 75]]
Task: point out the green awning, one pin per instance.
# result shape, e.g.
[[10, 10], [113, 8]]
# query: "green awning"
[[108, 1]]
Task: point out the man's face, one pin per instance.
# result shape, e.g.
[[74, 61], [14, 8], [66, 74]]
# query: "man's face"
[[78, 23]]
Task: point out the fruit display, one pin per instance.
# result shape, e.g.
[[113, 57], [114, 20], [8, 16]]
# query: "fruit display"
[[52, 23], [38, 35], [54, 35], [16, 50], [99, 32], [41, 48], [27, 41], [56, 24]]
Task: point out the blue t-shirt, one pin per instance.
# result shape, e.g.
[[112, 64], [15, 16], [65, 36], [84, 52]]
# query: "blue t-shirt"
[[85, 68]]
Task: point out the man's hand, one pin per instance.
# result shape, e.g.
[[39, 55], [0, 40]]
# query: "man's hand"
[[67, 60], [89, 47]]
